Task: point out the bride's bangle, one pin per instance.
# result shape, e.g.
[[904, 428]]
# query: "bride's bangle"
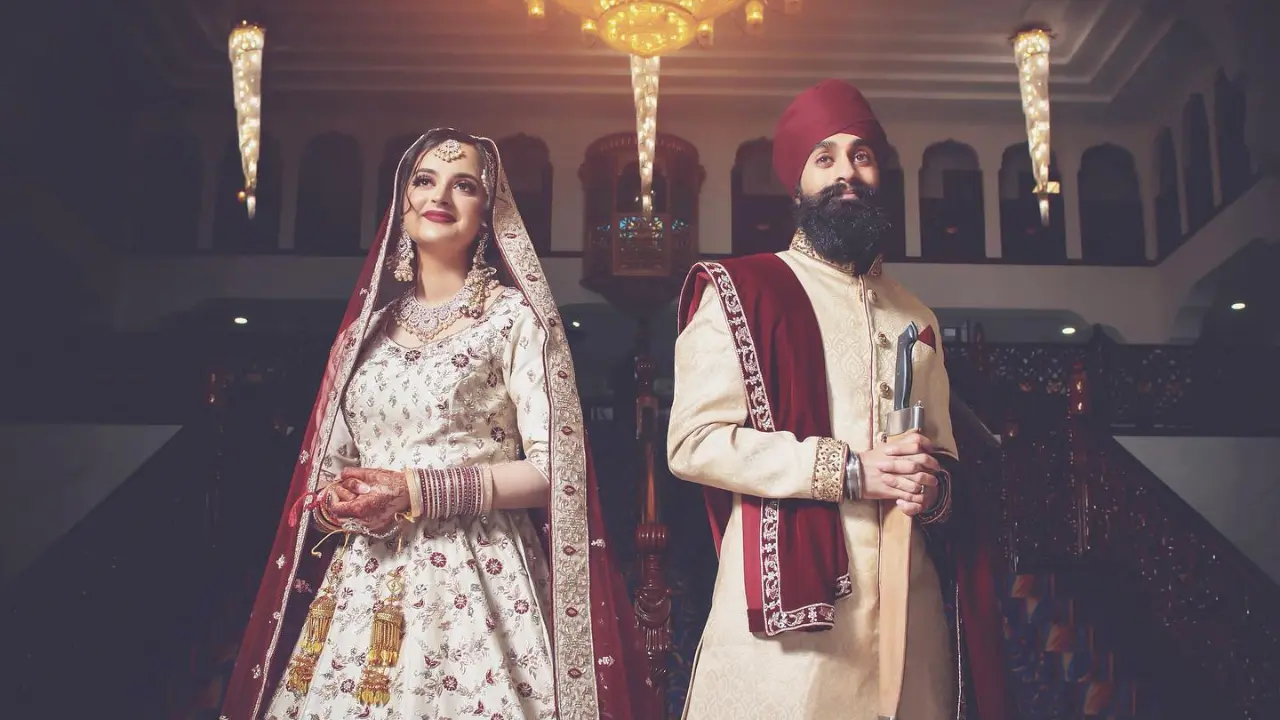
[[415, 494], [454, 492], [324, 519]]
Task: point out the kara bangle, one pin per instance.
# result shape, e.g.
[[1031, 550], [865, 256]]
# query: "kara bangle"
[[853, 477], [941, 509]]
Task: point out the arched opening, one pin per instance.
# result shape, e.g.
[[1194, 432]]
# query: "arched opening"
[[1111, 230], [1229, 108], [763, 219], [631, 260], [330, 178], [952, 226], [527, 162], [391, 154], [1023, 235]]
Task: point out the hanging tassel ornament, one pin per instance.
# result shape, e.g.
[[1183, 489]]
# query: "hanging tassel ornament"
[[384, 648], [302, 667]]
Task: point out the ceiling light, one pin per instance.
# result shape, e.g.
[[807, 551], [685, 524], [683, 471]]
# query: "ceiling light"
[[576, 324], [1068, 330], [241, 321], [1238, 306]]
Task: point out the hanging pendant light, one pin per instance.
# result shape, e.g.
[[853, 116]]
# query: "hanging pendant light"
[[245, 48], [1031, 54]]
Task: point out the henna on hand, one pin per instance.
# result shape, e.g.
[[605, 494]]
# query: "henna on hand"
[[376, 497]]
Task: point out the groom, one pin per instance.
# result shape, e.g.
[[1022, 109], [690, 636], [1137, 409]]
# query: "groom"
[[785, 380]]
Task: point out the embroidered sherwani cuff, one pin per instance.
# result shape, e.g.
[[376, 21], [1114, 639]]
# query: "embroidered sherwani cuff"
[[829, 470]]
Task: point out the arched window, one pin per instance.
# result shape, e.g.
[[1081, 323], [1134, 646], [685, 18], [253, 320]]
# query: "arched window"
[[952, 227], [620, 244], [1111, 229], [762, 208], [1234, 167], [527, 162], [1023, 235]]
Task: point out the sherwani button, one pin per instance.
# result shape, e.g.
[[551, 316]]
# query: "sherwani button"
[[882, 340], [886, 392]]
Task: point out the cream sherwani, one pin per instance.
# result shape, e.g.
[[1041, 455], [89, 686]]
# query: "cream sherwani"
[[830, 675]]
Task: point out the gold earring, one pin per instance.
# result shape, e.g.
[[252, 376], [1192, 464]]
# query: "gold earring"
[[403, 271]]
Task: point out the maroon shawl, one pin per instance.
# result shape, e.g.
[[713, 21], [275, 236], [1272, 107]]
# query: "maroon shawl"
[[796, 565]]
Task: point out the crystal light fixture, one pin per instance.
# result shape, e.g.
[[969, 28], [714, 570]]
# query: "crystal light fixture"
[[1031, 53], [245, 48], [646, 30], [644, 85]]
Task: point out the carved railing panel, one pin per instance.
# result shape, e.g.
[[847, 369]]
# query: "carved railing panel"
[[1137, 388], [1172, 592]]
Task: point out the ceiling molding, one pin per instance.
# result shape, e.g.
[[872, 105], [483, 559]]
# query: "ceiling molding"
[[913, 49]]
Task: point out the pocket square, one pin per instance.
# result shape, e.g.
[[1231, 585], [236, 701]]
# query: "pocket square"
[[928, 337]]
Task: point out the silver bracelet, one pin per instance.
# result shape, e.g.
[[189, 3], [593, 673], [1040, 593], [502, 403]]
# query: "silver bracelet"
[[853, 477]]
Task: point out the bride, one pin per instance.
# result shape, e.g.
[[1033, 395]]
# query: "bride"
[[447, 420]]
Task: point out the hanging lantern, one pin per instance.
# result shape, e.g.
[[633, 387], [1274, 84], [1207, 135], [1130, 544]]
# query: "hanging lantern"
[[1031, 54], [245, 48]]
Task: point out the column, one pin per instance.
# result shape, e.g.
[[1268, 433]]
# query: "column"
[[567, 196], [716, 152], [212, 145], [911, 203], [1148, 187], [1215, 169], [1069, 168], [910, 152], [1178, 134], [991, 159]]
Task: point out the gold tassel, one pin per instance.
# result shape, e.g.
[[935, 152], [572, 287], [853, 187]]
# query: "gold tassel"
[[302, 667], [384, 647]]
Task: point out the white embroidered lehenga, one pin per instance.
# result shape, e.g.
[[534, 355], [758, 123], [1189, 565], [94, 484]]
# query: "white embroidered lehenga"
[[517, 614], [475, 640]]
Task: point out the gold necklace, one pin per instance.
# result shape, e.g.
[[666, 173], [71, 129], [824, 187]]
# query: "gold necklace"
[[426, 322]]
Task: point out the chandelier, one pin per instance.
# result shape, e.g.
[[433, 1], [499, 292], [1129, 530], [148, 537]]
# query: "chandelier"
[[1031, 53], [245, 48], [646, 30]]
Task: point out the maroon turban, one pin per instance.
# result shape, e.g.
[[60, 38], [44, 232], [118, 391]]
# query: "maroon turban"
[[830, 107]]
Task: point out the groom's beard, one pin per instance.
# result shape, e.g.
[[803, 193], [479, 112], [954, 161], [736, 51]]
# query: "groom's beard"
[[840, 230]]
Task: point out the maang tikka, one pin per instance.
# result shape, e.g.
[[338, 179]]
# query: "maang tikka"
[[403, 271]]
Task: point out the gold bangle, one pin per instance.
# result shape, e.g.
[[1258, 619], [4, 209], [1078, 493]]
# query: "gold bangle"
[[322, 516], [415, 494], [486, 490]]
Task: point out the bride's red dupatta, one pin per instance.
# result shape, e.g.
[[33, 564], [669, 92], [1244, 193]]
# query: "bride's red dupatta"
[[600, 667]]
